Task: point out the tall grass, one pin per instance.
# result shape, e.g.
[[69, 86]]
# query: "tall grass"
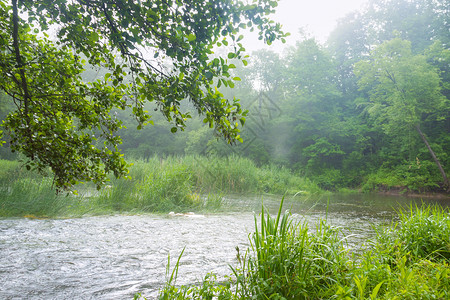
[[241, 175], [24, 193], [157, 185], [421, 232], [287, 261], [152, 187]]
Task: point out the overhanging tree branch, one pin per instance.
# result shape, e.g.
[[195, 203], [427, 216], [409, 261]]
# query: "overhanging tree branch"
[[21, 68]]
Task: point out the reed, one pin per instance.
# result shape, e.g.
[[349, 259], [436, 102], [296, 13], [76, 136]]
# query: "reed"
[[279, 265], [152, 188], [192, 183], [240, 175]]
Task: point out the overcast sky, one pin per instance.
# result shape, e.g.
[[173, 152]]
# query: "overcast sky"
[[318, 17]]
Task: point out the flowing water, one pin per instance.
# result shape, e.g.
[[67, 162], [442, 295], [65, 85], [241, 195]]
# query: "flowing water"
[[114, 257]]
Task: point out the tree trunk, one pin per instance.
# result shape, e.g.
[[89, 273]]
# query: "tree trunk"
[[436, 160]]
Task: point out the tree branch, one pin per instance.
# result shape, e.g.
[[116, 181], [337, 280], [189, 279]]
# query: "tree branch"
[[20, 64], [436, 160]]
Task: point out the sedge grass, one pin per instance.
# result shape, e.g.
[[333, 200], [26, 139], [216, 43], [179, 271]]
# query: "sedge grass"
[[157, 185], [24, 193], [287, 261], [421, 232]]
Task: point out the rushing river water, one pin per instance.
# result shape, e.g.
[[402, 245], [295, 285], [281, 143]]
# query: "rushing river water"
[[113, 257]]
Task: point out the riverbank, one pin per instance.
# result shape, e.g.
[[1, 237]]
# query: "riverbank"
[[412, 181], [181, 184], [403, 191], [158, 185], [407, 260]]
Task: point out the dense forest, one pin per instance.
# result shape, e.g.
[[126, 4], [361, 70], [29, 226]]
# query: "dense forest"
[[369, 109]]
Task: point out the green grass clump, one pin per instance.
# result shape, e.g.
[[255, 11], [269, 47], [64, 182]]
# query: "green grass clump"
[[24, 193], [32, 197], [286, 261], [157, 185], [153, 187], [407, 260], [421, 232]]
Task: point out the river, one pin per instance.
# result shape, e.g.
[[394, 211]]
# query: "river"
[[114, 257]]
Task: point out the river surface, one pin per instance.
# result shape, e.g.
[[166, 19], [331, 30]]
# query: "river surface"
[[114, 257]]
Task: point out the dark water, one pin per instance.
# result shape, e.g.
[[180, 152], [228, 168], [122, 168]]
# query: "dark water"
[[113, 257]]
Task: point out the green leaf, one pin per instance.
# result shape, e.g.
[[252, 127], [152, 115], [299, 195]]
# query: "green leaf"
[[374, 293], [209, 75], [191, 37], [94, 36], [66, 120]]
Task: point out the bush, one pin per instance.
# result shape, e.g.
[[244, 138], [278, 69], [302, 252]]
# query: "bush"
[[420, 176]]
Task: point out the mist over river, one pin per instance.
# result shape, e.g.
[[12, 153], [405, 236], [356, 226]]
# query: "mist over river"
[[114, 257]]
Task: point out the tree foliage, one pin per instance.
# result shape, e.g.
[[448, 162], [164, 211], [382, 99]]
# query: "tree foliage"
[[308, 109], [158, 51], [404, 89]]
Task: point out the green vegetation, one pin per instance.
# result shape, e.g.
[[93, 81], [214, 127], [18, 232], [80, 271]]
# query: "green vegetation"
[[404, 90], [420, 176], [157, 185], [358, 112], [407, 260], [368, 110], [152, 51]]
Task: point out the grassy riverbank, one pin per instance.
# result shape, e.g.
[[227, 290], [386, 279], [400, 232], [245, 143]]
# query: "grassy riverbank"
[[407, 260], [156, 185]]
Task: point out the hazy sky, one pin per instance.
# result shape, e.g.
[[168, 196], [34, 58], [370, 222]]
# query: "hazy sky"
[[318, 17]]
